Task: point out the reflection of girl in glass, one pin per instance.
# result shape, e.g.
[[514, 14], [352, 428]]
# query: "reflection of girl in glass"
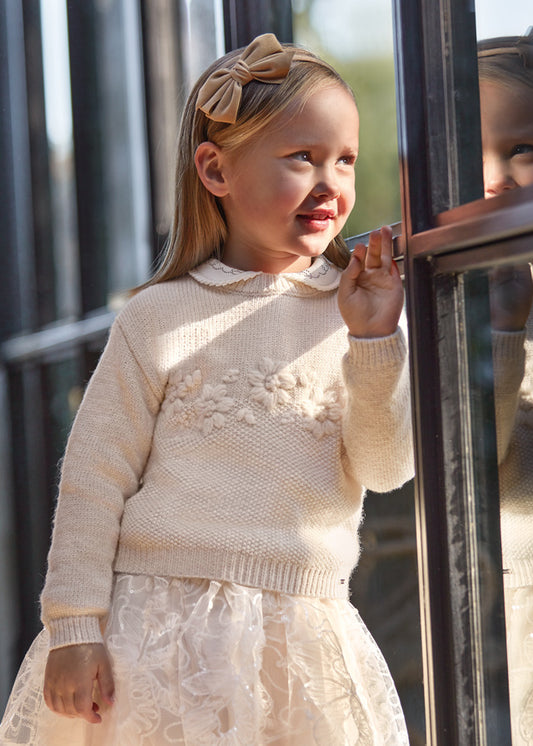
[[506, 99], [506, 93]]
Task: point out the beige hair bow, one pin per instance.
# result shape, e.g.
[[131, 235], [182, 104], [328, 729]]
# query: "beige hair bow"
[[264, 59]]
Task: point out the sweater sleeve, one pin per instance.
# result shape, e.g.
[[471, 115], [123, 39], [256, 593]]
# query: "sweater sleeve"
[[377, 428], [508, 355], [104, 460]]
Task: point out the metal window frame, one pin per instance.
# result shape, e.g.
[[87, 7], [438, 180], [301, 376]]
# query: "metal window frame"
[[447, 231], [245, 19]]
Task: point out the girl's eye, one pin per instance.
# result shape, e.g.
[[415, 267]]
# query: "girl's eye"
[[521, 149], [348, 160], [302, 155]]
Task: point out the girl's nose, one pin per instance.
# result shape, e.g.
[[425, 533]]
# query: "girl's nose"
[[327, 186], [497, 177]]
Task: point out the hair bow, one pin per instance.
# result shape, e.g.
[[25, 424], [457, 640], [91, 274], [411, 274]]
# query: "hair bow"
[[264, 59], [522, 46], [525, 49]]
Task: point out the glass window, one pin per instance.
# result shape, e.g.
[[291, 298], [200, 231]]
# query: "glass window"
[[467, 281], [58, 112], [499, 329], [180, 40], [505, 67], [97, 151]]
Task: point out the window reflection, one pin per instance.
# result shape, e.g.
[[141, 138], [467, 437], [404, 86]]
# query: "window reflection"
[[511, 292], [505, 66], [58, 108], [507, 292]]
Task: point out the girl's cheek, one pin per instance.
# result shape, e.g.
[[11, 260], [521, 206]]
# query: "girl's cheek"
[[524, 174]]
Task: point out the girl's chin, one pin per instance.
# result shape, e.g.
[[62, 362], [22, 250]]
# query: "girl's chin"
[[315, 248]]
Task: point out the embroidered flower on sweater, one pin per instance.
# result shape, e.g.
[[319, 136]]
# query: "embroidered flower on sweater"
[[177, 390], [184, 385], [270, 383], [246, 415], [322, 413], [212, 406], [231, 376]]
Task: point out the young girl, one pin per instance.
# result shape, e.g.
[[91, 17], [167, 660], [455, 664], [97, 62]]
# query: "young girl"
[[506, 97], [212, 485]]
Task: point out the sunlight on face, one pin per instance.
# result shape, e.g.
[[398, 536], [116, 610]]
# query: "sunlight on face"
[[290, 193]]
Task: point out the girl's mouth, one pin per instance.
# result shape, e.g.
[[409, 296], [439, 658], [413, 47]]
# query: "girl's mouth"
[[317, 221]]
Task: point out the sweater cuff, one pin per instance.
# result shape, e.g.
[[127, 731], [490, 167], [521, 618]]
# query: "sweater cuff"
[[507, 345], [378, 351], [76, 630]]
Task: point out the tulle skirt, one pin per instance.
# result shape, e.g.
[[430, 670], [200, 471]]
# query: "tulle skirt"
[[519, 623], [199, 662]]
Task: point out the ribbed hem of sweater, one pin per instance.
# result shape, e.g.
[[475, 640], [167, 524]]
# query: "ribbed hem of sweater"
[[236, 568], [74, 630], [507, 345], [518, 573]]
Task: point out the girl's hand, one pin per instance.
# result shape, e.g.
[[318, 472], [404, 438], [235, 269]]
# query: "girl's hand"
[[511, 294], [70, 678], [371, 292]]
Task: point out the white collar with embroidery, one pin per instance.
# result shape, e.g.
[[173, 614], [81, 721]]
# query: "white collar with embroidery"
[[321, 275]]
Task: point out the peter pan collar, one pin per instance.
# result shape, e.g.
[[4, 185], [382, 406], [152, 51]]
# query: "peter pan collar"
[[321, 275]]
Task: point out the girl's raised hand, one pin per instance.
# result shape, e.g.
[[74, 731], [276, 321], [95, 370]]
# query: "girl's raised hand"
[[70, 677], [371, 292]]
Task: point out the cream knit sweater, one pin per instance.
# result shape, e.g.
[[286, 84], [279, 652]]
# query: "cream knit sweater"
[[227, 433], [513, 376]]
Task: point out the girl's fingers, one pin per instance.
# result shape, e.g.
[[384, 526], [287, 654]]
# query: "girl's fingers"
[[82, 706], [69, 680], [357, 262], [75, 704], [63, 706], [56, 704], [379, 253], [105, 681], [373, 254], [54, 701]]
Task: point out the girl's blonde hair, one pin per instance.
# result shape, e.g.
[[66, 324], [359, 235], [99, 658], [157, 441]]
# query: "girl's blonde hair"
[[199, 227], [507, 60]]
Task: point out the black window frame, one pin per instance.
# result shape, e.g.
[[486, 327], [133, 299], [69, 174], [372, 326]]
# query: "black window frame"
[[449, 229]]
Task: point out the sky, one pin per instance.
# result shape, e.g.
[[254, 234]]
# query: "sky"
[[56, 74], [357, 28], [503, 17], [349, 28]]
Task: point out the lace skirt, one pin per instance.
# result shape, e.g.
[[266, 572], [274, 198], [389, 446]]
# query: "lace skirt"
[[519, 623], [199, 662]]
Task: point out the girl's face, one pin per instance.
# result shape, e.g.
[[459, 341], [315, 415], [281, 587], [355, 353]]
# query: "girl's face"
[[507, 136], [289, 193]]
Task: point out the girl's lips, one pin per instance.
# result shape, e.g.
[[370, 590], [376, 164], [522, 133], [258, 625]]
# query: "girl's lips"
[[319, 214], [317, 221]]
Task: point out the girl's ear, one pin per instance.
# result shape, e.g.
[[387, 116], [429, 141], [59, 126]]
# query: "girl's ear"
[[208, 160]]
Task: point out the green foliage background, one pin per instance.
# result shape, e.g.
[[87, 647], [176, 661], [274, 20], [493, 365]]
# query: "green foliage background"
[[377, 170]]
